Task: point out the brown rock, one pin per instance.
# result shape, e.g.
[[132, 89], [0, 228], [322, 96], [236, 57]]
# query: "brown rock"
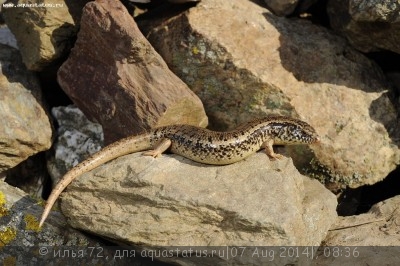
[[172, 201], [25, 127], [368, 25], [255, 63], [117, 79], [44, 34]]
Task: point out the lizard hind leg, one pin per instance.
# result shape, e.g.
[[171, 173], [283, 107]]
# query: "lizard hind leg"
[[159, 148]]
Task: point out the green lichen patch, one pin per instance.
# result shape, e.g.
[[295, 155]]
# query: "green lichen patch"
[[31, 223], [7, 235], [3, 210]]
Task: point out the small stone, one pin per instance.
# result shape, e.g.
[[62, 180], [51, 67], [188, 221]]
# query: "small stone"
[[282, 8], [7, 38]]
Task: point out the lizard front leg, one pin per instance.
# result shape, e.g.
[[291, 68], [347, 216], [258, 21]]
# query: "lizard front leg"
[[270, 151], [159, 148]]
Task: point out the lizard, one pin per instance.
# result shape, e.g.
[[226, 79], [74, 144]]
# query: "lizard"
[[198, 144]]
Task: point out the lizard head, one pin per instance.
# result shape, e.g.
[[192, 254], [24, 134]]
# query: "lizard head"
[[293, 131]]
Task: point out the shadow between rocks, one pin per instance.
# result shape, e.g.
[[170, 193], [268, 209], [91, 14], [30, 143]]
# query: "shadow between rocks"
[[297, 45], [332, 60], [15, 71], [360, 200]]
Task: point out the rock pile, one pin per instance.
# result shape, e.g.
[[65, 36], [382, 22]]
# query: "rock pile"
[[209, 62]]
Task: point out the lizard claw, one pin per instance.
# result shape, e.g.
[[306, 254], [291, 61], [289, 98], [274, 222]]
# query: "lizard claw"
[[152, 153], [275, 156]]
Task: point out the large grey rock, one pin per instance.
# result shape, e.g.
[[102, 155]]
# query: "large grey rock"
[[25, 127], [123, 84], [255, 63], [22, 242], [172, 201], [369, 25]]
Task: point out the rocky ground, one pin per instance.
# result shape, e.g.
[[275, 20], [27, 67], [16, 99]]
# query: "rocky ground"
[[76, 76]]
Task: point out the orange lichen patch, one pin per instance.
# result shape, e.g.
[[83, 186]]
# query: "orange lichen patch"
[[7, 236], [3, 210], [31, 223]]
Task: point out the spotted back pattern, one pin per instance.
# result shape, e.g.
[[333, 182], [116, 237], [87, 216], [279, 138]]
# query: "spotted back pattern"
[[219, 148]]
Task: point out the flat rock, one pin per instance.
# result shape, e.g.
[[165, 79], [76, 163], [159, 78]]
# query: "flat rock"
[[255, 63], [44, 34], [172, 201], [25, 129], [118, 80], [369, 25], [375, 233]]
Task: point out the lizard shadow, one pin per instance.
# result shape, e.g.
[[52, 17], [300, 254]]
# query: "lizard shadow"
[[187, 161]]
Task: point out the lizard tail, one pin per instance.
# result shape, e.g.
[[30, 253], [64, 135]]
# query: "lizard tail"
[[122, 147]]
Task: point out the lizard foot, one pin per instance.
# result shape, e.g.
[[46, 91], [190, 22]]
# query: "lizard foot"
[[152, 153], [161, 147], [275, 156]]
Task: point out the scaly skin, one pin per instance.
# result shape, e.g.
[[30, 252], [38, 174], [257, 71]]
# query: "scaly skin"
[[198, 144]]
